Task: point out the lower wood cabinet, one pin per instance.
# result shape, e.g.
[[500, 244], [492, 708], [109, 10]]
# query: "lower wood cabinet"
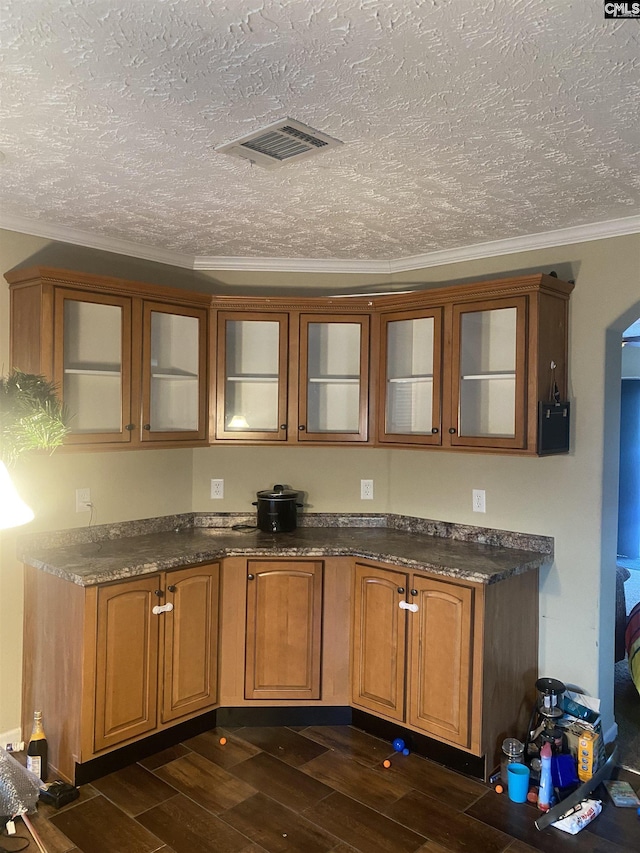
[[284, 629], [106, 669], [454, 660], [155, 667]]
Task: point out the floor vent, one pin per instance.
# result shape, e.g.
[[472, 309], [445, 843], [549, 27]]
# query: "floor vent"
[[279, 143]]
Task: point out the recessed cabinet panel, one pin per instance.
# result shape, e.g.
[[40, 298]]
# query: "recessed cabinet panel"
[[127, 662], [284, 629], [441, 660], [190, 641], [379, 630]]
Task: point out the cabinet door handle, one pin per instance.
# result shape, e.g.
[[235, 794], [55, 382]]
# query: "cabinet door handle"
[[250, 577], [435, 430], [283, 426], [414, 592], [302, 427], [171, 588], [158, 592], [401, 590], [146, 426], [403, 605], [452, 430], [130, 427], [162, 608]]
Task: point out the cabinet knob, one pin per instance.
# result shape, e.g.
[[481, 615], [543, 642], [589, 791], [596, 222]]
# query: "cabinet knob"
[[302, 427], [452, 430], [414, 592], [250, 577], [146, 426], [130, 427], [435, 430], [158, 592], [171, 588], [401, 590], [283, 426]]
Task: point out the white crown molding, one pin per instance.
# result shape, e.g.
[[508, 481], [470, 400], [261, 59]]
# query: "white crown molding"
[[64, 234], [544, 240]]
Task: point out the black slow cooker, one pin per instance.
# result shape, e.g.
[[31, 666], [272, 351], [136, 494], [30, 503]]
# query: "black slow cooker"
[[277, 509]]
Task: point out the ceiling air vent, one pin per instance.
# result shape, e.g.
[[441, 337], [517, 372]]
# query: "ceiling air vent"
[[279, 143]]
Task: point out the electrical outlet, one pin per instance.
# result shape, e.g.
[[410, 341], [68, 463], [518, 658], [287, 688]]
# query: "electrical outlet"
[[83, 500], [479, 500], [366, 490], [217, 489]]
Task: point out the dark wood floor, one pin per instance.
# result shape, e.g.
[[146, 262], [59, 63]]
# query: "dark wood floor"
[[307, 790]]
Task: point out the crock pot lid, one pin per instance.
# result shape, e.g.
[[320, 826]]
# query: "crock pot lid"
[[278, 493]]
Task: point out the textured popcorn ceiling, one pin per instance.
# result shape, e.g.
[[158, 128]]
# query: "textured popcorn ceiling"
[[463, 121]]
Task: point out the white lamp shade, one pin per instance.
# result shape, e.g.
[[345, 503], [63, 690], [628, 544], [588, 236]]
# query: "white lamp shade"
[[13, 510]]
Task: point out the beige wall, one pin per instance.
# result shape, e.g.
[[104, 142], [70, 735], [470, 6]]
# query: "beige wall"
[[572, 497]]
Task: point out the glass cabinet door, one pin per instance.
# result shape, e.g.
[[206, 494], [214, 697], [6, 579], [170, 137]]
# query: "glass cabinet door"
[[489, 374], [410, 358], [252, 376], [92, 365], [334, 378], [174, 371]]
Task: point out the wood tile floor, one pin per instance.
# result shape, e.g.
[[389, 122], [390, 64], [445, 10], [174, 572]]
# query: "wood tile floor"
[[310, 790]]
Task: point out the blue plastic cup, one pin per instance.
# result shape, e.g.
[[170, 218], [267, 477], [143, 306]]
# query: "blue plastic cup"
[[518, 782]]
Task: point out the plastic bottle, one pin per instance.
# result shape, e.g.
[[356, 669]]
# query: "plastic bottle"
[[512, 753], [37, 751], [545, 791]]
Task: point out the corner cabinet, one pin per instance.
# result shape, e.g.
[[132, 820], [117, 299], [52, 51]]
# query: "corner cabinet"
[[292, 376], [130, 363], [113, 663], [449, 659], [465, 367]]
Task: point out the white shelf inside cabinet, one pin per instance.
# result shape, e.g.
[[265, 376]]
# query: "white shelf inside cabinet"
[[254, 378], [406, 380], [475, 376], [335, 380], [94, 370]]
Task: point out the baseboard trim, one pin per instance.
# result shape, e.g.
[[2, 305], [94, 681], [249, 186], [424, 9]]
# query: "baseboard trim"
[[294, 715], [88, 771], [441, 753]]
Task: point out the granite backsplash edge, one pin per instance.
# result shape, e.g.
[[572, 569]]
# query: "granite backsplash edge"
[[225, 520]]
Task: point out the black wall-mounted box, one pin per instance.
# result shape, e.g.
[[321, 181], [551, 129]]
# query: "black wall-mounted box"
[[553, 428]]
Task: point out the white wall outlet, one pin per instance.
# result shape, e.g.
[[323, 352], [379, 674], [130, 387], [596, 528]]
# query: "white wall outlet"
[[366, 490], [83, 500], [217, 489], [479, 500]]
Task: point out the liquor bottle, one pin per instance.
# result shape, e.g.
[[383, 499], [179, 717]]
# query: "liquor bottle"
[[37, 751]]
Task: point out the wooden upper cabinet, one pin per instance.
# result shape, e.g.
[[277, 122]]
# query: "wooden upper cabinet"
[[129, 360], [333, 391], [411, 377], [92, 365], [174, 370], [290, 376], [488, 374], [465, 367], [252, 367]]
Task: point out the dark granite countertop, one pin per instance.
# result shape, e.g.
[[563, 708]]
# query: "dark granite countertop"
[[97, 555]]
